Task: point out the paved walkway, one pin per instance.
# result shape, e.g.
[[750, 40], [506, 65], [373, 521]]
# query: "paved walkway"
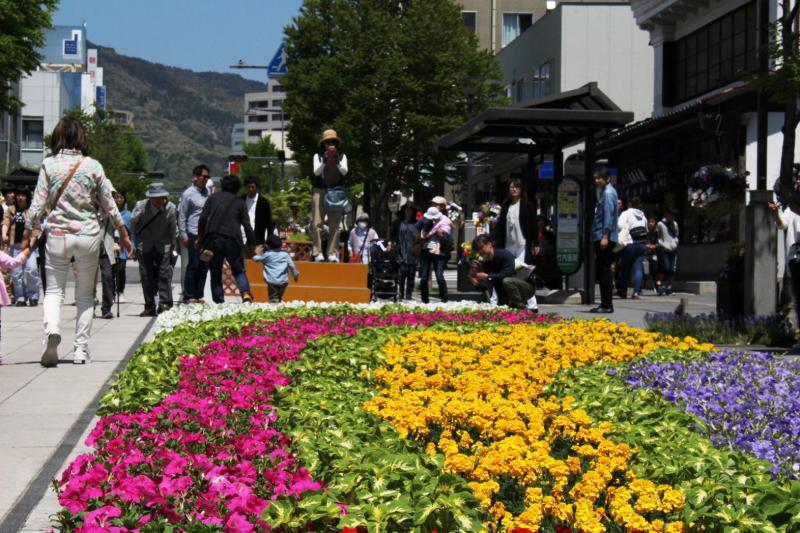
[[45, 414]]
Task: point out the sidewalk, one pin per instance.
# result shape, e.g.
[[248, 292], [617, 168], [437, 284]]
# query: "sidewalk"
[[44, 413]]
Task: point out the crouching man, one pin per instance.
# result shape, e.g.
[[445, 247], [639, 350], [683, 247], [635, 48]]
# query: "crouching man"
[[496, 271]]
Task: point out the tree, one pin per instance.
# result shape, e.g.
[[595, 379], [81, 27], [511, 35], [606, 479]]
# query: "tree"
[[118, 148], [390, 76], [22, 25]]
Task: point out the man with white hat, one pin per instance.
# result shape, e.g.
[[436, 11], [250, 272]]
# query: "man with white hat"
[[154, 224], [330, 168]]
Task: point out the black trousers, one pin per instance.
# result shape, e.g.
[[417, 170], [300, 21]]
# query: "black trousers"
[[604, 260], [107, 281], [407, 274], [155, 269]]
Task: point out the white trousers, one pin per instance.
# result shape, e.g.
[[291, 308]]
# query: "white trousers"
[[86, 251]]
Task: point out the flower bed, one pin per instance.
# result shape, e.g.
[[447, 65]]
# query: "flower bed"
[[770, 330], [747, 400], [365, 418]]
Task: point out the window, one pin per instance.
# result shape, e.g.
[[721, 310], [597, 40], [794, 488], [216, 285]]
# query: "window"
[[713, 56], [277, 116], [258, 118], [277, 103], [520, 90], [258, 103], [513, 25], [33, 134], [278, 89], [470, 21], [254, 133], [542, 81]]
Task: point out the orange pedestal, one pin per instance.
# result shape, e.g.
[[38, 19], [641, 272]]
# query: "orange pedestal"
[[319, 282]]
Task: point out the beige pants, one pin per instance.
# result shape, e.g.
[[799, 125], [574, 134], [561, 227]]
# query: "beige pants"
[[317, 219]]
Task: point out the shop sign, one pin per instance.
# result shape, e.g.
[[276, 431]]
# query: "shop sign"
[[568, 226]]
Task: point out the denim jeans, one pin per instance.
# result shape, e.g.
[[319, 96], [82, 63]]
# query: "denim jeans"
[[227, 248], [668, 264], [632, 258], [194, 280], [426, 260], [86, 251], [25, 278]]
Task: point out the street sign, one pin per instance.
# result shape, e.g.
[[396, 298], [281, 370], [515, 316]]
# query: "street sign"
[[277, 67], [568, 226], [546, 170], [101, 97]]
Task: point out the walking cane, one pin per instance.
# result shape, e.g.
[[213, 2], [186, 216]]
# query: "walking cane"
[[114, 281]]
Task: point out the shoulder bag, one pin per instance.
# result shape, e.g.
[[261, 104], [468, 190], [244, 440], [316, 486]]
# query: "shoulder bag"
[[52, 205]]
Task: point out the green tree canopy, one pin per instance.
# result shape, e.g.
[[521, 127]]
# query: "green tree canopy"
[[22, 25], [391, 76], [119, 149]]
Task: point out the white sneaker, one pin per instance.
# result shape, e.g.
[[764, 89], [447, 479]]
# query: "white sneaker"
[[333, 258], [121, 298], [319, 258], [81, 357]]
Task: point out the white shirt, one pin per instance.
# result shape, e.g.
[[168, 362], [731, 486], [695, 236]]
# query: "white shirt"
[[791, 223], [251, 212], [514, 236]]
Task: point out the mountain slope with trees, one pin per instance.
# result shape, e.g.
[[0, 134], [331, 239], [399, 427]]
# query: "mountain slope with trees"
[[183, 117]]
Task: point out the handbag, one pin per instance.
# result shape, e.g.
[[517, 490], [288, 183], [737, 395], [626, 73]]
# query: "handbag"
[[335, 199]]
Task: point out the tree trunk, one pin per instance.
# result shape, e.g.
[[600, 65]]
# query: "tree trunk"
[[790, 115]]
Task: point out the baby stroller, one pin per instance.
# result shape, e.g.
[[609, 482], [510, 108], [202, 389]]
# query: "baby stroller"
[[384, 272]]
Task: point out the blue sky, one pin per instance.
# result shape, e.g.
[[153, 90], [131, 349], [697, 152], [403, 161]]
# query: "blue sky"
[[195, 34]]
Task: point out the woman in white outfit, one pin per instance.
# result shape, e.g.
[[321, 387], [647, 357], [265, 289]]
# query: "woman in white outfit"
[[70, 188]]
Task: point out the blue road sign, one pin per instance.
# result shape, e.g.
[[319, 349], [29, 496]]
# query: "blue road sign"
[[101, 97], [277, 67]]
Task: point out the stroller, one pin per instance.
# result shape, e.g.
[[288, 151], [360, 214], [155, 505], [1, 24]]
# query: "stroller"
[[384, 272]]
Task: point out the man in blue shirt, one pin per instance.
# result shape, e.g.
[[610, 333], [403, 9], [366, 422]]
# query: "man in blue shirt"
[[191, 205], [604, 236]]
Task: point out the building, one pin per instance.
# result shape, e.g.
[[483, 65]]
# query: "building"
[[497, 23], [66, 79], [573, 45], [122, 117], [704, 118], [237, 138], [263, 112], [10, 131]]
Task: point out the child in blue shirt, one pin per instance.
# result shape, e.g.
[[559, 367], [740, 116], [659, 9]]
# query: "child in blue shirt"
[[277, 264]]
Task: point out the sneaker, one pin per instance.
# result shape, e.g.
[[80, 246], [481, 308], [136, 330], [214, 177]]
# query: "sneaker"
[[33, 303], [148, 312], [333, 258], [50, 355], [107, 315], [21, 303], [636, 296], [121, 298], [319, 258], [247, 298], [81, 357], [601, 309]]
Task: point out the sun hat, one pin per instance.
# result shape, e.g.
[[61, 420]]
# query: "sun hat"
[[329, 135], [157, 190], [433, 213], [439, 200], [362, 216]]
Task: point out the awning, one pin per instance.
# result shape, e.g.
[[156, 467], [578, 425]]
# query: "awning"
[[541, 125]]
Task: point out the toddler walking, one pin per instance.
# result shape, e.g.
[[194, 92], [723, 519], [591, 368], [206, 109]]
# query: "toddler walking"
[[277, 264], [8, 263]]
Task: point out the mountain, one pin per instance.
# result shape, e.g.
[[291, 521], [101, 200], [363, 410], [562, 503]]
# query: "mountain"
[[183, 117]]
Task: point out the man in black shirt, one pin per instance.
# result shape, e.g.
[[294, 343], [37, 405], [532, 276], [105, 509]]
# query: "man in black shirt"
[[497, 271]]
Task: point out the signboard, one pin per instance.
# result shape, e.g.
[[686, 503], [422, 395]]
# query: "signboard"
[[277, 67], [101, 97], [64, 45], [568, 226], [91, 64], [546, 171]]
